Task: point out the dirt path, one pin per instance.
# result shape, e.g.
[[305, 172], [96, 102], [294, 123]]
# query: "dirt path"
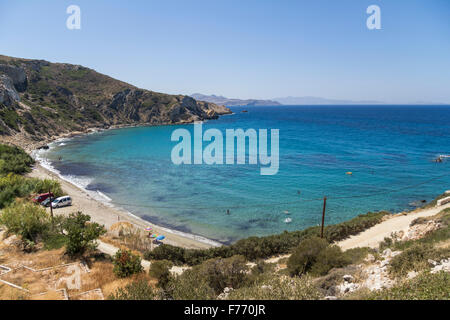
[[373, 236]]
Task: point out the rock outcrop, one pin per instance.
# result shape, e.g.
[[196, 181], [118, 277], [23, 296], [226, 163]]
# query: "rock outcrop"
[[16, 74], [8, 93]]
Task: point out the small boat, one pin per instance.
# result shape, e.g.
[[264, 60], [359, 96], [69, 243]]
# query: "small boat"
[[349, 173], [286, 212], [287, 220], [244, 111]]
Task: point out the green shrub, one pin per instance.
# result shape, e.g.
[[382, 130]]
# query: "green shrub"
[[191, 285], [416, 258], [126, 264], [138, 290], [14, 160], [316, 256], [27, 220], [161, 271], [329, 258], [221, 273], [81, 233], [305, 256], [357, 255]]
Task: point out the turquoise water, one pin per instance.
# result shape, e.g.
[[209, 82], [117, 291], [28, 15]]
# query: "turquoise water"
[[389, 149]]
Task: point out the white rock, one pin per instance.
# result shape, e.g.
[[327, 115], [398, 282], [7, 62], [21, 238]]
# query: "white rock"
[[432, 262], [387, 253]]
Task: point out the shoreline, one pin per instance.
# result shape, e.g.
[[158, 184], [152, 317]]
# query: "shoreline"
[[106, 215]]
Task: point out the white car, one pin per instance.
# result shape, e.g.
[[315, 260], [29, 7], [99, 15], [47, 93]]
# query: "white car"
[[62, 202]]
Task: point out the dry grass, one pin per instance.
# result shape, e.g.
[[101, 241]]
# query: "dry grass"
[[10, 293], [50, 295]]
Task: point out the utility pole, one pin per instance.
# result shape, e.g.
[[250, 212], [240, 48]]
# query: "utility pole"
[[51, 207], [323, 215]]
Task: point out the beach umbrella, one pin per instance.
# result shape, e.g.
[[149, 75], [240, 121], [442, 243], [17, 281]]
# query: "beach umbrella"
[[154, 235], [159, 238], [148, 229]]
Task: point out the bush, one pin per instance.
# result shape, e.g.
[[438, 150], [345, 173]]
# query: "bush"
[[14, 160], [305, 256], [161, 271], [191, 285], [138, 290], [316, 256], [329, 258], [27, 220], [81, 234], [221, 273], [126, 264]]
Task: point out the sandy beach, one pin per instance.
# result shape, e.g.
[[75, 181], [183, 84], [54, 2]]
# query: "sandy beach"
[[108, 215]]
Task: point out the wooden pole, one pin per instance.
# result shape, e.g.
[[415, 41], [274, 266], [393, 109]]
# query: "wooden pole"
[[323, 215], [51, 207]]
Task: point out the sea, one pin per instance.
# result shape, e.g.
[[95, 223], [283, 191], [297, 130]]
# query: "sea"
[[361, 158]]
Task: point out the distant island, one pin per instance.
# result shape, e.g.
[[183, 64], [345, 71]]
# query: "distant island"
[[318, 100], [220, 100]]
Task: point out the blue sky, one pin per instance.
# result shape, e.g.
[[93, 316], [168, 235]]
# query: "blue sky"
[[246, 48]]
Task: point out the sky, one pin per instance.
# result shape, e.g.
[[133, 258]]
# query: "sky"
[[246, 49]]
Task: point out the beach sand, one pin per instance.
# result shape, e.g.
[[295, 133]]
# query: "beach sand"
[[107, 215]]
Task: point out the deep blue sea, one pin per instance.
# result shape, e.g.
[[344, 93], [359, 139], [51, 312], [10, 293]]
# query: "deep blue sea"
[[389, 149]]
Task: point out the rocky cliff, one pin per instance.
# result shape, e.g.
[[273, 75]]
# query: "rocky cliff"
[[40, 100]]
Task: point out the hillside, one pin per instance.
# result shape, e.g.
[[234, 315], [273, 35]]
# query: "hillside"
[[233, 102], [39, 100]]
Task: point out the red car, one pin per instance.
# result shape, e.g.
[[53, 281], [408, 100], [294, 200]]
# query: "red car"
[[41, 197]]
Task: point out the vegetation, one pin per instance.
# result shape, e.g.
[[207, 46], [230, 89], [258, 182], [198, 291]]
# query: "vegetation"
[[278, 288], [27, 220], [415, 258], [81, 233], [191, 285], [126, 264], [14, 160], [161, 271], [137, 290], [316, 256]]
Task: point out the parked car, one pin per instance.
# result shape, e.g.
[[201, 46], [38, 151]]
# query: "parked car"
[[42, 197], [62, 202], [46, 202]]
